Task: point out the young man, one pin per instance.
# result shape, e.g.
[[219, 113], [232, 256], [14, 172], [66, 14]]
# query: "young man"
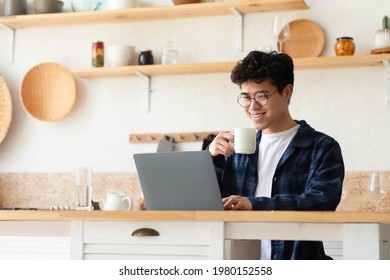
[[294, 167]]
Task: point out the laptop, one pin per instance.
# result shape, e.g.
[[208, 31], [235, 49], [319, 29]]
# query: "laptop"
[[178, 181]]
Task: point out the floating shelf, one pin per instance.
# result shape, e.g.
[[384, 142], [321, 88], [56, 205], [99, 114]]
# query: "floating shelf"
[[224, 67], [147, 71], [150, 13]]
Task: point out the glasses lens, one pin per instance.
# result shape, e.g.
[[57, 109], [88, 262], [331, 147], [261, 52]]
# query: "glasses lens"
[[261, 99], [243, 100]]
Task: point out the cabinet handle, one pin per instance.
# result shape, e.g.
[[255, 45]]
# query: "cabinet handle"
[[145, 232]]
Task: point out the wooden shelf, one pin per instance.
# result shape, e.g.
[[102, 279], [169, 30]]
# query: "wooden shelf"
[[150, 13], [224, 67]]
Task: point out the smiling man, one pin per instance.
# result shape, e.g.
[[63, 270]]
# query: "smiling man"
[[294, 167]]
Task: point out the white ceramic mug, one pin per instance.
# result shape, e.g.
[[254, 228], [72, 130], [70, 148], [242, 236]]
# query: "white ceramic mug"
[[245, 140], [120, 55], [121, 4], [117, 201]]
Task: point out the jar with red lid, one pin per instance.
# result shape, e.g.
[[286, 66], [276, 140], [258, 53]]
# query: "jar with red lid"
[[97, 54], [344, 46]]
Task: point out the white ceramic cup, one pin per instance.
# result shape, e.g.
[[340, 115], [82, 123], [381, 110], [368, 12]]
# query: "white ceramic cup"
[[120, 55], [245, 140], [121, 4], [117, 201]]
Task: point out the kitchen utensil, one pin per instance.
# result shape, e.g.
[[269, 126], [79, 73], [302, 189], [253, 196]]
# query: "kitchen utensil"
[[48, 92], [121, 4], [47, 6], [120, 55], [180, 2], [379, 51], [207, 141], [14, 7], [5, 109], [165, 144], [117, 201], [306, 39], [86, 5]]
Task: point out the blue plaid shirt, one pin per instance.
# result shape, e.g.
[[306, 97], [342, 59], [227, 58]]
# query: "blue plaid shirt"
[[309, 176]]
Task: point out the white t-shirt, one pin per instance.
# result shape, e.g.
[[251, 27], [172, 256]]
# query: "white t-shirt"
[[271, 149]]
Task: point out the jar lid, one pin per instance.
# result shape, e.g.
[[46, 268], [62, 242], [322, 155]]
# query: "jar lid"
[[344, 38]]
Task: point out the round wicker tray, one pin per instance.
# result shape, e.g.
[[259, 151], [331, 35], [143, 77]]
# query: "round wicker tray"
[[48, 92], [5, 108]]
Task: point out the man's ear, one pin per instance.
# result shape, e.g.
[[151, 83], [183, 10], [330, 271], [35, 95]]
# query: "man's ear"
[[288, 91]]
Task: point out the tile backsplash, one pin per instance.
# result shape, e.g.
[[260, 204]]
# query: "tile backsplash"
[[46, 190]]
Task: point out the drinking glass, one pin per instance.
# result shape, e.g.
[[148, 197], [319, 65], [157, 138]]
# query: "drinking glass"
[[281, 31], [384, 186], [373, 190], [83, 188]]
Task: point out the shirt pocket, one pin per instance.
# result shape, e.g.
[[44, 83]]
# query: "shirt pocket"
[[300, 174]]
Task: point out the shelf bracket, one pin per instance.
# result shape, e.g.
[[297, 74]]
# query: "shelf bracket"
[[11, 38], [386, 64], [147, 90], [239, 28]]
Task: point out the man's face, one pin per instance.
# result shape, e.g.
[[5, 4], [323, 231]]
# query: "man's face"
[[274, 115]]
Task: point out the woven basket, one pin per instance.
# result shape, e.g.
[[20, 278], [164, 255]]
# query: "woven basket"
[[5, 108], [48, 92]]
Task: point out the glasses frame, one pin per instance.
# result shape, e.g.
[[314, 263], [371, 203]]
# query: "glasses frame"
[[266, 98]]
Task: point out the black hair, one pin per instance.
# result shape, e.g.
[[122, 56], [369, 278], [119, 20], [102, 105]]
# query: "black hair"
[[259, 66]]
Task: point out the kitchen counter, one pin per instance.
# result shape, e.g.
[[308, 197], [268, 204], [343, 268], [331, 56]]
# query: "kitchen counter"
[[225, 216], [197, 234]]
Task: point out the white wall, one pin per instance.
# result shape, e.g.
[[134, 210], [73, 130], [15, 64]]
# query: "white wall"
[[347, 103]]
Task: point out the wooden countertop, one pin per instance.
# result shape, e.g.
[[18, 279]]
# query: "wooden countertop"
[[226, 216]]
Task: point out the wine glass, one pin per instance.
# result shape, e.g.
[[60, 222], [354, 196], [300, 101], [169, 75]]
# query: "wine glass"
[[373, 188], [383, 192], [281, 31]]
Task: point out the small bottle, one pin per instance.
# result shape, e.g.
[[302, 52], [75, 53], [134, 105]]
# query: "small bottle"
[[344, 46], [168, 54], [97, 54], [145, 57]]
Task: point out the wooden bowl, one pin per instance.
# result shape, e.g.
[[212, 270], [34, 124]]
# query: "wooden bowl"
[[48, 92], [5, 109], [180, 2]]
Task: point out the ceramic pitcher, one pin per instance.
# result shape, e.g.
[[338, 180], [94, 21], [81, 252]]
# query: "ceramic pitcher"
[[117, 201], [14, 7]]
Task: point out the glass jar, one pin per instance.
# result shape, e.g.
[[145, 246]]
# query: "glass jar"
[[344, 46], [145, 57], [97, 54], [168, 54]]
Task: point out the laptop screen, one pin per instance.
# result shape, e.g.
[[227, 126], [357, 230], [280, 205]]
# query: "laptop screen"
[[178, 181]]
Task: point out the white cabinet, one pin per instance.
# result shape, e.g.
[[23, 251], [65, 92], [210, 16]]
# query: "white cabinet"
[[174, 240], [34, 240]]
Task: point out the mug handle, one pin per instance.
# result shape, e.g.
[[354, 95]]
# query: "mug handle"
[[129, 202]]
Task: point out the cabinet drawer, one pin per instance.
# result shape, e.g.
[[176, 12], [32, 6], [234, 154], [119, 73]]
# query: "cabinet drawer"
[[175, 240], [170, 233]]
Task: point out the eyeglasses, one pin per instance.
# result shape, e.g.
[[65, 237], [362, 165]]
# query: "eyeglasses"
[[260, 98]]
